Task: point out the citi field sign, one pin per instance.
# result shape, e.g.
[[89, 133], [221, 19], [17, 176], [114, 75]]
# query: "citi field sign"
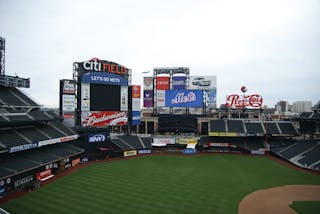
[[97, 65]]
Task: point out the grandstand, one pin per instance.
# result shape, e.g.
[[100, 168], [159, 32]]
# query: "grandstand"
[[126, 142], [32, 141], [304, 153]]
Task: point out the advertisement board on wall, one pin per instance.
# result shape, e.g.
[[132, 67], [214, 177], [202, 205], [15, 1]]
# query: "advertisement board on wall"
[[97, 137], [148, 83], [43, 175], [203, 82], [129, 153], [68, 103], [104, 118], [183, 98], [68, 86], [210, 97], [85, 97], [124, 98], [136, 91], [136, 117], [148, 98], [104, 78], [136, 106], [161, 98], [179, 82], [163, 83], [163, 141]]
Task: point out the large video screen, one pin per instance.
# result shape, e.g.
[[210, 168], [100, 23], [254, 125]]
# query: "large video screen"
[[105, 97]]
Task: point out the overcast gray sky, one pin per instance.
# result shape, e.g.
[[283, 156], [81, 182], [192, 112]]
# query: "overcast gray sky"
[[272, 46]]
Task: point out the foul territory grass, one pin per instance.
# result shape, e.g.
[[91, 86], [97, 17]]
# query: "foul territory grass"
[[160, 184], [306, 207]]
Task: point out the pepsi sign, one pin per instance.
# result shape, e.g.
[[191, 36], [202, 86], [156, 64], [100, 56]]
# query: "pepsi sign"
[[99, 137]]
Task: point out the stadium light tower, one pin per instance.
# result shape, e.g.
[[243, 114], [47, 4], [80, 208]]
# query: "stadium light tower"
[[2, 55]]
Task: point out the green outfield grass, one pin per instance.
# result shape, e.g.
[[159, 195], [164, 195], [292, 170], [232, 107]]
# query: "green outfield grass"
[[160, 184], [306, 207]]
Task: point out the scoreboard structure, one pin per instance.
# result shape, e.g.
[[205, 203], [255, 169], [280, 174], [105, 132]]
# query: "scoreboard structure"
[[102, 94]]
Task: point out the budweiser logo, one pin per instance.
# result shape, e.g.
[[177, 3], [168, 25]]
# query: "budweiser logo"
[[181, 98], [105, 118], [254, 100]]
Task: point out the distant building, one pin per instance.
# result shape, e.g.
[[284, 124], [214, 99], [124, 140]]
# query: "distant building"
[[282, 106], [301, 106]]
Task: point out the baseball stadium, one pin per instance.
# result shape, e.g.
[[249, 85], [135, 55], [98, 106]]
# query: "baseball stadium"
[[164, 147]]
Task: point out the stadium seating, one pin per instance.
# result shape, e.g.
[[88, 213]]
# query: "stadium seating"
[[217, 126], [271, 128], [27, 160], [123, 145], [254, 128], [10, 98], [10, 138], [287, 128], [235, 126], [306, 114]]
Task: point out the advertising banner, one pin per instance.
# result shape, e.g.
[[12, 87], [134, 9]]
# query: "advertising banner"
[[136, 91], [129, 153], [245, 101], [23, 147], [223, 134], [124, 98], [85, 97], [136, 104], [68, 102], [210, 97], [68, 86], [57, 140], [203, 82], [147, 98], [148, 83], [163, 83], [183, 98], [97, 137], [102, 66], [104, 78], [23, 181], [104, 118], [43, 175], [136, 117], [145, 151], [163, 141], [161, 98], [188, 141], [75, 162], [179, 82]]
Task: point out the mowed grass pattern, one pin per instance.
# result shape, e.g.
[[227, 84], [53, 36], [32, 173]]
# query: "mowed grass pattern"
[[160, 184]]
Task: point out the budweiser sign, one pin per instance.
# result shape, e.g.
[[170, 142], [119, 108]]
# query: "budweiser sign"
[[103, 118], [237, 101]]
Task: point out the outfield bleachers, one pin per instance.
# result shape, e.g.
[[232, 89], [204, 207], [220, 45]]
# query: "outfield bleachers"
[[123, 145], [271, 128], [254, 128], [235, 126], [287, 128], [218, 126]]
